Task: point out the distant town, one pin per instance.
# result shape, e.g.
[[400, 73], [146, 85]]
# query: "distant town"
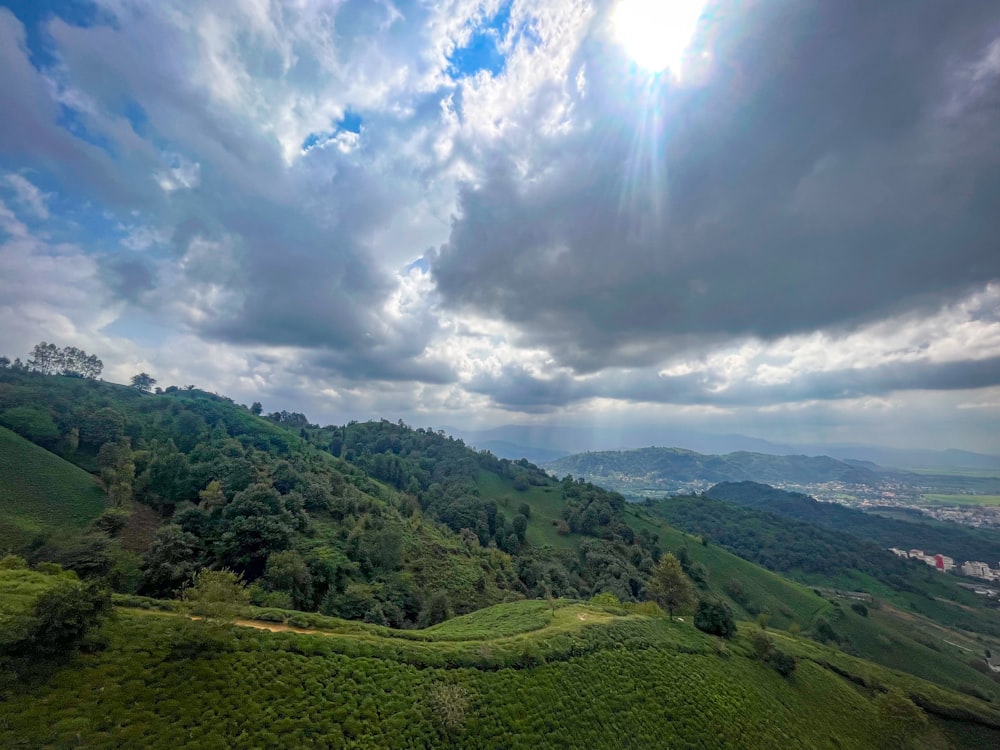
[[900, 495], [945, 564]]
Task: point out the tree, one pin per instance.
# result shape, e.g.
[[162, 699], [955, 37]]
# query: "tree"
[[45, 359], [256, 408], [520, 524], [117, 463], [212, 496], [61, 617], [143, 382], [286, 571], [668, 585], [713, 616], [171, 560], [217, 594], [49, 359]]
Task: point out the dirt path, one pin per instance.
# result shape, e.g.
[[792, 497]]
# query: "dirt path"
[[278, 627]]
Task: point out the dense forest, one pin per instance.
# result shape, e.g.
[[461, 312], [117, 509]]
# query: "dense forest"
[[379, 521]]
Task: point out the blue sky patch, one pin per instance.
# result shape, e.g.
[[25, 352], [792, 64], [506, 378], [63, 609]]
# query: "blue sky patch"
[[35, 13], [349, 123], [482, 52]]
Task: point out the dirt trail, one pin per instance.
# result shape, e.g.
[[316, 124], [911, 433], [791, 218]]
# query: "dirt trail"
[[278, 627]]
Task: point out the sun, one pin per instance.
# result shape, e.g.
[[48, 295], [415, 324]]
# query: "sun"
[[656, 33]]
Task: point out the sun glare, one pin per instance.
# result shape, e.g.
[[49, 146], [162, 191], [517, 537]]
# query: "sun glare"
[[656, 33]]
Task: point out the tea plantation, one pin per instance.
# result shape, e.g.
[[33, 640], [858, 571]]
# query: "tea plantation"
[[521, 675]]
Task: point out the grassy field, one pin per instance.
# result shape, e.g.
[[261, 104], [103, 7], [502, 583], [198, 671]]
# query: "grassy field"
[[962, 499], [41, 492]]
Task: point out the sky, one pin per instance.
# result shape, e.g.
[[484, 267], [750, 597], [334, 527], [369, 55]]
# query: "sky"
[[768, 217]]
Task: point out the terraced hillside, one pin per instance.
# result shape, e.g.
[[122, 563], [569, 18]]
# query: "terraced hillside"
[[520, 675], [39, 491]]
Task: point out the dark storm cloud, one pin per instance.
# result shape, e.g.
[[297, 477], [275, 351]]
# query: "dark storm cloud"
[[515, 388], [128, 278], [840, 163]]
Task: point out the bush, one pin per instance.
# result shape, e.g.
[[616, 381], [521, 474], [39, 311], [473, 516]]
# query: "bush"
[[13, 562], [860, 608], [449, 706], [782, 663], [714, 617]]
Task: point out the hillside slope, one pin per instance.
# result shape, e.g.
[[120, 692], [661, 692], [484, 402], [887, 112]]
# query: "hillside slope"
[[959, 542], [565, 675], [39, 491], [373, 520]]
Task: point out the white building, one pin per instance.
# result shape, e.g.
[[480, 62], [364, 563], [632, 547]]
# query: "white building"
[[977, 569]]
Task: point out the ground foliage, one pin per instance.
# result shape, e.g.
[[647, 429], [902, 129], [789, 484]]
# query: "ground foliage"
[[641, 681]]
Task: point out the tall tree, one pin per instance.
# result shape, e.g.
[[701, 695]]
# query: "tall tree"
[[669, 586], [143, 382]]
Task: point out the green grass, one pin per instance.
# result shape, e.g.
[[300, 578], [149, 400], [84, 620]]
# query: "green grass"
[[626, 681], [962, 499], [41, 492]]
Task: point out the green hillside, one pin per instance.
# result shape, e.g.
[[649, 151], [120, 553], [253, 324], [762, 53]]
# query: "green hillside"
[[520, 675], [381, 521], [954, 540], [39, 491], [913, 628]]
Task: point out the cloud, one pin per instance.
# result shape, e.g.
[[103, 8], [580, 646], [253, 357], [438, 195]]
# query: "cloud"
[[836, 173], [271, 247], [334, 208], [28, 195]]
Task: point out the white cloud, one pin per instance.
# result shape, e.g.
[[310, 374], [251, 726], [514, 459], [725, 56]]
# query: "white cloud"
[[28, 195]]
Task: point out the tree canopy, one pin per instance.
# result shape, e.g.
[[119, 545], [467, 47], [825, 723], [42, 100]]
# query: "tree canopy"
[[669, 586]]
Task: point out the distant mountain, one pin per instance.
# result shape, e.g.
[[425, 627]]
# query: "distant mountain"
[[566, 439], [669, 468], [513, 451]]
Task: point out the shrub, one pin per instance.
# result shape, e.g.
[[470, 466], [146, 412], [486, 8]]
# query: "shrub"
[[449, 705], [713, 616], [605, 598], [13, 562], [860, 608], [782, 663], [762, 644]]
